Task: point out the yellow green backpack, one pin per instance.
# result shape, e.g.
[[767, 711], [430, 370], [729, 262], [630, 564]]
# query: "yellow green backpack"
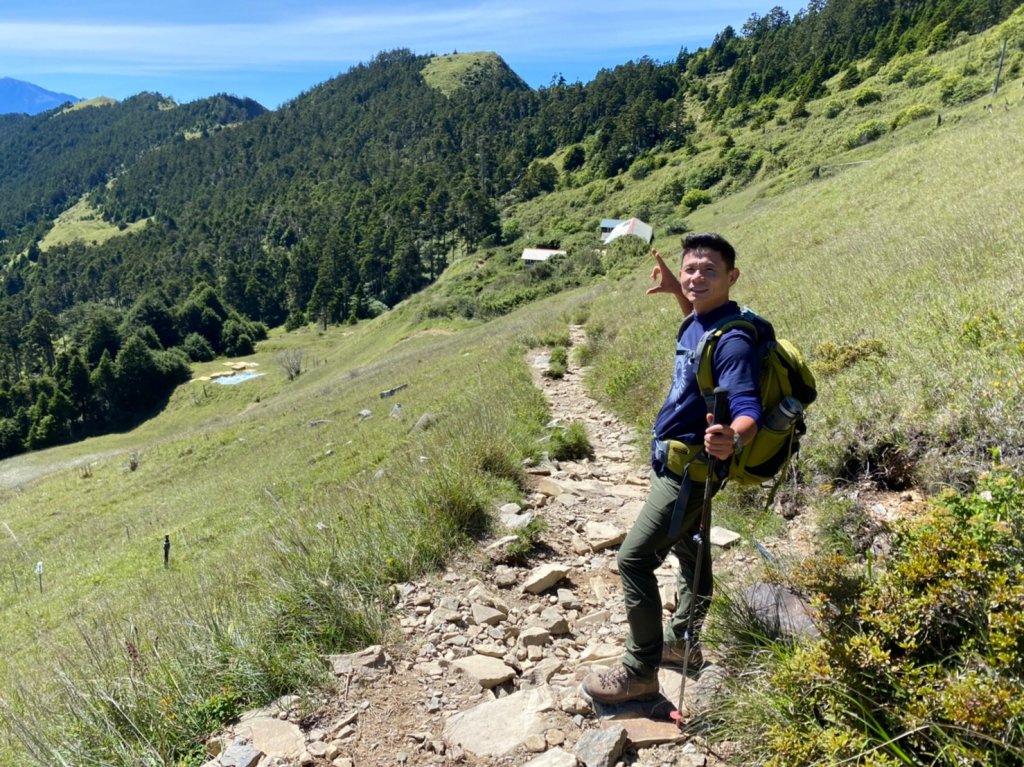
[[787, 388]]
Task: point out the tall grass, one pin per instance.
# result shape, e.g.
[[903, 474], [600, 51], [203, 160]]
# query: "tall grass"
[[322, 520]]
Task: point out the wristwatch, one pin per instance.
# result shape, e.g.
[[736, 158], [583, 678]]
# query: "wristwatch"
[[737, 443]]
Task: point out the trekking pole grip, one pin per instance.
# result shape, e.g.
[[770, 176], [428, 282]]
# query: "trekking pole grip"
[[720, 405]]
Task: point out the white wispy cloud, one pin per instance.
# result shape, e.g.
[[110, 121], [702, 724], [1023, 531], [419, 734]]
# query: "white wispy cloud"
[[529, 29]]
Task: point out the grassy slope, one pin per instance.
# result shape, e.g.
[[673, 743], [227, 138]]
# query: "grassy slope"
[[911, 242], [453, 71], [83, 223], [908, 247], [867, 255]]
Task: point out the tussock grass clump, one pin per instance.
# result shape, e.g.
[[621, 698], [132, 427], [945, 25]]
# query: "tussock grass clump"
[[153, 694], [919, 664], [831, 357], [558, 364], [846, 526], [571, 443], [596, 339], [528, 539]]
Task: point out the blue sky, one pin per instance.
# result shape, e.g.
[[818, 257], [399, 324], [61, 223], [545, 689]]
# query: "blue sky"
[[272, 51]]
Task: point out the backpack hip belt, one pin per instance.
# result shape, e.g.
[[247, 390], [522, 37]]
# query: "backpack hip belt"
[[681, 459]]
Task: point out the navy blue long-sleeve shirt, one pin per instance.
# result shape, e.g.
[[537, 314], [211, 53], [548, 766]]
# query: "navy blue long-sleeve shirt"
[[734, 365]]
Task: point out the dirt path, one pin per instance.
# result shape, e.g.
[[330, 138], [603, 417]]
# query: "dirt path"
[[22, 469], [487, 668]]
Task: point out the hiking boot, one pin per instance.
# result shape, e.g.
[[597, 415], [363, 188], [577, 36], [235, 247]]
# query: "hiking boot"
[[618, 686], [675, 655]]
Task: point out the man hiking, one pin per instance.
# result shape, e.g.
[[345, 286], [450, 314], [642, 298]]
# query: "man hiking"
[[684, 437]]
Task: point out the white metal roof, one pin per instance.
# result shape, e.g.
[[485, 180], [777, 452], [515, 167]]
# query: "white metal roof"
[[540, 254]]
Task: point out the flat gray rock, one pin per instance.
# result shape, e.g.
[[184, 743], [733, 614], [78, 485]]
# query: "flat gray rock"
[[555, 757], [544, 577], [498, 727], [601, 748], [721, 536], [487, 671]]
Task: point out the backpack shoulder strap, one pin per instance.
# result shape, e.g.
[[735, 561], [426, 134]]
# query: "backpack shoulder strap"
[[687, 321], [746, 320]]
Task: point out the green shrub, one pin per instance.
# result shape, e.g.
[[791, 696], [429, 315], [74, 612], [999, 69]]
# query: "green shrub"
[[511, 231], [676, 225], [897, 69], [922, 74], [833, 109], [705, 176], [197, 348], [919, 664], [575, 157], [959, 90], [742, 163], [866, 96], [642, 168], [983, 329], [865, 133], [695, 198], [911, 113]]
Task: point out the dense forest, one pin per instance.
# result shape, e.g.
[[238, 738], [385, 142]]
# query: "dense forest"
[[347, 199]]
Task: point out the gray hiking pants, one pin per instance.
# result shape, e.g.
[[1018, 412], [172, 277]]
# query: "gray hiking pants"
[[645, 548]]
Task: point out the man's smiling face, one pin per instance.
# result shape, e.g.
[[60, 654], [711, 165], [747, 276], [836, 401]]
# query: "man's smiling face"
[[706, 279]]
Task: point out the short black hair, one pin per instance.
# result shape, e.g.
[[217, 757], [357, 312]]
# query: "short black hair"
[[711, 241]]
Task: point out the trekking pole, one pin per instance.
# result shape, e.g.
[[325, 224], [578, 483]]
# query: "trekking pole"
[[720, 412]]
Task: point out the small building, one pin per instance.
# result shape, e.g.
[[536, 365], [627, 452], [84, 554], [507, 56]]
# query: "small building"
[[607, 225], [633, 226], [533, 256]]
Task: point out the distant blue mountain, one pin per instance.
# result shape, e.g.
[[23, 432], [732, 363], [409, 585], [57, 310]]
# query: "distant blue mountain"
[[19, 96]]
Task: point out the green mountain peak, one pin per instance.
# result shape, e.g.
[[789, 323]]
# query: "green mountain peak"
[[453, 71]]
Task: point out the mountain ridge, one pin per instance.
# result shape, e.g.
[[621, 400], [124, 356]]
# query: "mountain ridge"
[[19, 96]]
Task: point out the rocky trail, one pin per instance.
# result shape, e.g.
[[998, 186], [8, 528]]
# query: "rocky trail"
[[487, 667]]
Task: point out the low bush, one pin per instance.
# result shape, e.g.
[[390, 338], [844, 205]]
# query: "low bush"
[[922, 74], [896, 70], [910, 114], [865, 133], [695, 198], [866, 96], [918, 664], [706, 176], [959, 90], [833, 109]]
